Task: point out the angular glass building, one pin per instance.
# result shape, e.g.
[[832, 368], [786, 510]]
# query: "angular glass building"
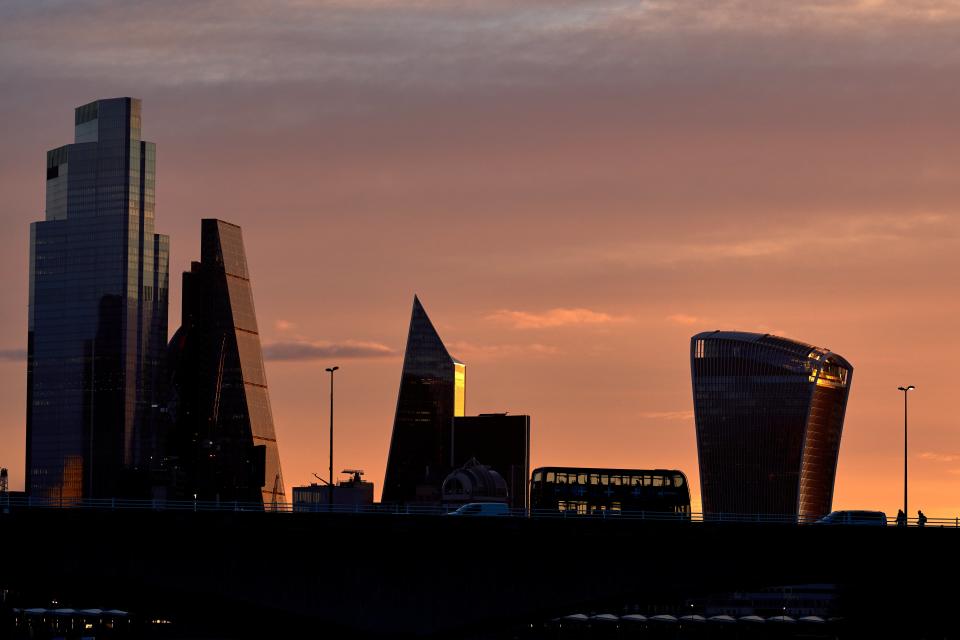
[[222, 444], [432, 391], [97, 323], [769, 415]]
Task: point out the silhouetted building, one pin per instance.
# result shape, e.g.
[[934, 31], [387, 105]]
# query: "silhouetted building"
[[587, 490], [474, 482], [769, 415], [222, 445], [501, 441], [98, 312], [353, 492], [431, 393]]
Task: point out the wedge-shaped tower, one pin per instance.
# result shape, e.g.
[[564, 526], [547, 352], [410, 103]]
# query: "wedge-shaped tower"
[[769, 415], [222, 443], [432, 388]]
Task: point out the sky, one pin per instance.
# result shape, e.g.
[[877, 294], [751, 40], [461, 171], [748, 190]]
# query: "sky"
[[573, 189]]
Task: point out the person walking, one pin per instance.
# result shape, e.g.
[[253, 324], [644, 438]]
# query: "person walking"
[[901, 518], [921, 519]]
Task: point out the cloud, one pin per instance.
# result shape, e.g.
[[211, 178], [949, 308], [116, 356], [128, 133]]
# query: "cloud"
[[472, 352], [432, 43], [684, 319], [939, 457], [559, 317], [668, 415], [284, 325], [836, 235], [13, 355], [300, 351]]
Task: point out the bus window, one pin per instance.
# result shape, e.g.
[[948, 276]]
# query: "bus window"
[[594, 478], [582, 478], [604, 479], [658, 481], [678, 481], [615, 480], [537, 476], [550, 476]]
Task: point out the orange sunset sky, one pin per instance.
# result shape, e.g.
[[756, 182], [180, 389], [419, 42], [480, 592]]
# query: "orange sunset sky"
[[572, 188]]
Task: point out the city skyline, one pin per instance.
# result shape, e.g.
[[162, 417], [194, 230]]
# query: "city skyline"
[[579, 229]]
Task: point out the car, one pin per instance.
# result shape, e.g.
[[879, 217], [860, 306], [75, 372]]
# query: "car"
[[860, 518], [482, 509]]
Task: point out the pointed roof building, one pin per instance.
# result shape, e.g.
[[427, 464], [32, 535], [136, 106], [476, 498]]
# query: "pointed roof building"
[[223, 433], [432, 392]]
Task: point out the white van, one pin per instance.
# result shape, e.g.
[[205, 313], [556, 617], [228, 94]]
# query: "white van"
[[482, 509], [860, 518]]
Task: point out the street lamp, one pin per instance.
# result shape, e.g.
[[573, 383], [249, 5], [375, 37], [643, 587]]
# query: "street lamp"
[[330, 370], [905, 390]]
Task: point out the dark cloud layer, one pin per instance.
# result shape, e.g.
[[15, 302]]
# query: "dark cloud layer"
[[302, 351]]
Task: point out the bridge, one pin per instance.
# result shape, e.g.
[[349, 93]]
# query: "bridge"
[[385, 574]]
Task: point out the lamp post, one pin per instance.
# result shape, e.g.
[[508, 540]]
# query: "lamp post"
[[330, 370], [906, 391]]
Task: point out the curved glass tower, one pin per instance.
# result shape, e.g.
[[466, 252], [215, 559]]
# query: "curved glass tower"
[[769, 415], [431, 394]]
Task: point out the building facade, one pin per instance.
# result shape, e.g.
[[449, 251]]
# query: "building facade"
[[354, 492], [499, 441], [97, 323], [222, 444], [432, 393], [769, 416]]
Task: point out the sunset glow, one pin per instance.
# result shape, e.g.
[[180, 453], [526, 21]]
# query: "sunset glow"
[[573, 190]]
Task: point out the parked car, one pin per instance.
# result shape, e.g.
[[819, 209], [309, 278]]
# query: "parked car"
[[482, 509], [861, 518]]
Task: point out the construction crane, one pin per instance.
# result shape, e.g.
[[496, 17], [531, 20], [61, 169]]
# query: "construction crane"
[[277, 487], [215, 414]]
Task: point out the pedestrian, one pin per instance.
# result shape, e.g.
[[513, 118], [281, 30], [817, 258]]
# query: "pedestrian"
[[901, 518], [921, 519]]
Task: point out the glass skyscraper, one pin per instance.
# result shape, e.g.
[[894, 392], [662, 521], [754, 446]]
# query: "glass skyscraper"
[[769, 415], [222, 444], [432, 391], [97, 324]]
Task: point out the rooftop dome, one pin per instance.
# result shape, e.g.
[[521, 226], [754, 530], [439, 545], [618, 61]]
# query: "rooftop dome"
[[474, 482]]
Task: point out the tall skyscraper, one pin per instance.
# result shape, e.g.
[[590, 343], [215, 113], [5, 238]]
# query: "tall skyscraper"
[[222, 442], [432, 391], [97, 323], [769, 415], [500, 441]]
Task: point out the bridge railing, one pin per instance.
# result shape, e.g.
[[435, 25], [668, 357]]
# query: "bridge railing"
[[8, 502]]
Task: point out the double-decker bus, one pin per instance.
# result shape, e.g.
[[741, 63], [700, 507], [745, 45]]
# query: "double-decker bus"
[[589, 491]]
